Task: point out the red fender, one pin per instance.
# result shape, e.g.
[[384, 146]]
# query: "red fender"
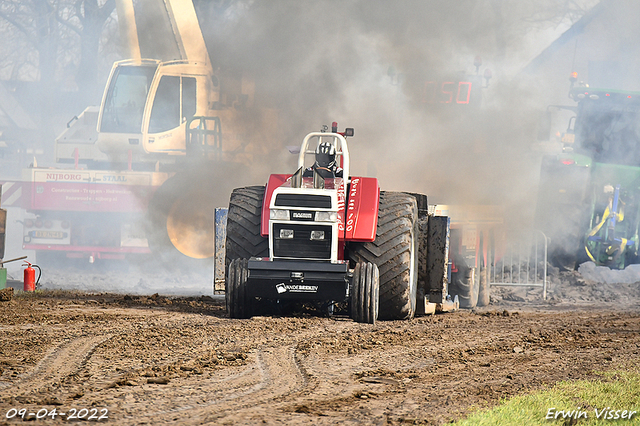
[[362, 209], [274, 182]]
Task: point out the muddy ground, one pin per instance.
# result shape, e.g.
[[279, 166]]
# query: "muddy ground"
[[155, 359]]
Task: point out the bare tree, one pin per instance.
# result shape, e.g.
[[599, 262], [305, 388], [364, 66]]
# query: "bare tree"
[[87, 19], [60, 33], [51, 43], [35, 24]]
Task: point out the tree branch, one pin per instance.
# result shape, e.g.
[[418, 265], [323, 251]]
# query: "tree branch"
[[69, 25], [107, 9], [19, 26], [78, 7]]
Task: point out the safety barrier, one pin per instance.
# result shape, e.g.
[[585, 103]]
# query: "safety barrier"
[[522, 263]]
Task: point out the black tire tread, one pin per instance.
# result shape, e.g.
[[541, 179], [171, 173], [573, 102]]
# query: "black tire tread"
[[237, 299], [365, 293], [423, 277], [243, 225], [465, 288], [391, 250]]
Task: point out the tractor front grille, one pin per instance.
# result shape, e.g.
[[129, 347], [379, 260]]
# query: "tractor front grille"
[[301, 246], [303, 200]]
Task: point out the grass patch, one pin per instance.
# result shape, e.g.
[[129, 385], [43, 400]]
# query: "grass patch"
[[615, 392]]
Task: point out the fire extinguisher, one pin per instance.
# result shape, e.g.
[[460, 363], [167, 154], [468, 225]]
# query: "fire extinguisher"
[[30, 282]]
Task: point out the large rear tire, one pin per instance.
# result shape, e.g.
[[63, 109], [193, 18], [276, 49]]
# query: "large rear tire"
[[395, 252], [423, 273], [365, 293], [239, 303], [465, 284], [243, 225]]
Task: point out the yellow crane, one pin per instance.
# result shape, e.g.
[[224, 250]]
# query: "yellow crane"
[[166, 122]]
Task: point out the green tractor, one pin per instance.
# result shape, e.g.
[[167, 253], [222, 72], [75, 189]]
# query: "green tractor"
[[589, 194]]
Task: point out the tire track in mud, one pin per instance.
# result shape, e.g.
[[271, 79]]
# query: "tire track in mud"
[[275, 375], [61, 361]]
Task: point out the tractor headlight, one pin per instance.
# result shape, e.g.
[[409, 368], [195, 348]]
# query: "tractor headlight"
[[286, 233], [317, 235], [279, 214], [326, 216]]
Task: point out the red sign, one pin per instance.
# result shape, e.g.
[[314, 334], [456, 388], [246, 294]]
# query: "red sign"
[[90, 191]]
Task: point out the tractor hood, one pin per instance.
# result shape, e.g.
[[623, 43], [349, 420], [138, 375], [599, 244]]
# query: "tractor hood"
[[357, 207]]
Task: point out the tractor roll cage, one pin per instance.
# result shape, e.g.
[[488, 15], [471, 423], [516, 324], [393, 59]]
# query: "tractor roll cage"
[[342, 151]]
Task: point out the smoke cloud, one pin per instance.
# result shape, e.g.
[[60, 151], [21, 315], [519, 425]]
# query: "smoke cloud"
[[365, 64]]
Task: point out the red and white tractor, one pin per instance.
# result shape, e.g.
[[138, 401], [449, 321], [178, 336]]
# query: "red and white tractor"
[[322, 236]]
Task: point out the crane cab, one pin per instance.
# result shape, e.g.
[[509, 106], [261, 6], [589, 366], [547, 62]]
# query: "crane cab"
[[147, 104]]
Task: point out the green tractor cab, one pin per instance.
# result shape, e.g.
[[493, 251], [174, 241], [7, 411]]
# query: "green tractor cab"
[[589, 194]]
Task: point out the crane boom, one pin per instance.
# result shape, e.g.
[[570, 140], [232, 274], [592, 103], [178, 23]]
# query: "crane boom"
[[172, 22], [128, 29]]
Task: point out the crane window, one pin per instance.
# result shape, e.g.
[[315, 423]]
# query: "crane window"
[[175, 102], [165, 113], [188, 98], [125, 100]]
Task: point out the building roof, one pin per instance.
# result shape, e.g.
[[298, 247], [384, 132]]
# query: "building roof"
[[569, 35]]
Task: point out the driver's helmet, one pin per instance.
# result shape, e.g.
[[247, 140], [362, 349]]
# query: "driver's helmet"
[[326, 155]]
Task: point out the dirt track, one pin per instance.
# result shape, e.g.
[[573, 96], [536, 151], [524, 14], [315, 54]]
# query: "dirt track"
[[152, 359]]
